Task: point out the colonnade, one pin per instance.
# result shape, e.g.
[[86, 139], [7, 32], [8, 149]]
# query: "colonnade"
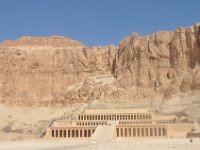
[[71, 133], [115, 117], [141, 132], [94, 123]]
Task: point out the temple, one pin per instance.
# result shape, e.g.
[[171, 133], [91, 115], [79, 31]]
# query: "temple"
[[120, 123]]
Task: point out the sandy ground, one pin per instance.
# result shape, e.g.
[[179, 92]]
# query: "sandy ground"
[[17, 123], [161, 144]]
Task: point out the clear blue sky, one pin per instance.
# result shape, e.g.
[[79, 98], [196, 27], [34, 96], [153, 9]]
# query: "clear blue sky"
[[94, 22]]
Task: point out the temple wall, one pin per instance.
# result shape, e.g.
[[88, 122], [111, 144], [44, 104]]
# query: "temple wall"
[[69, 133], [129, 125], [179, 130]]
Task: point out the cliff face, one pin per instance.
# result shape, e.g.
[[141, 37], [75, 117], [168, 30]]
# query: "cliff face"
[[48, 71], [162, 64], [51, 71]]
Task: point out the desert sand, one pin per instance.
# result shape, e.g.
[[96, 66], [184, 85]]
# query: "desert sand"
[[161, 144]]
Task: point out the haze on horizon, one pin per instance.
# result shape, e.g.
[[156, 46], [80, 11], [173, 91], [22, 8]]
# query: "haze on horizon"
[[92, 22]]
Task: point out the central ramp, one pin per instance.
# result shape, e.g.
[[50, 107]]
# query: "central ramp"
[[105, 133]]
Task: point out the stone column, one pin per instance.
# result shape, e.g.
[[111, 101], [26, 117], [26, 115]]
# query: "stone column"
[[144, 131], [58, 133], [66, 133], [52, 133], [91, 132], [80, 133], [74, 133], [161, 132], [136, 132], [155, 131], [119, 132], [63, 133], [149, 132], [130, 132], [77, 133], [125, 132], [122, 132]]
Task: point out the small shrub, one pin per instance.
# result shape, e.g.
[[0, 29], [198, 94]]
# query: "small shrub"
[[7, 128]]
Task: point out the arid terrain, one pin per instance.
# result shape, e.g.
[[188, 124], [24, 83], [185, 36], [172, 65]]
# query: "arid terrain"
[[156, 144], [46, 78]]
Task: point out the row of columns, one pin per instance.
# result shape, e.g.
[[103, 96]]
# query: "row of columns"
[[141, 132], [91, 123], [115, 117], [71, 133], [134, 122]]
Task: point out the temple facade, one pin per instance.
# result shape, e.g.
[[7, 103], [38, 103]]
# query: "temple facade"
[[119, 123]]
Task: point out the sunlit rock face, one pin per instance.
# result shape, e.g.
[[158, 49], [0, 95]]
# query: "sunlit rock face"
[[49, 71], [58, 71], [161, 64]]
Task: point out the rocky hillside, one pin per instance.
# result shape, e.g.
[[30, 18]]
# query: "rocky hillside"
[[59, 72], [163, 63]]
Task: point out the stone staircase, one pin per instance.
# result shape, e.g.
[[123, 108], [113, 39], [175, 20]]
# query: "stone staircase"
[[105, 133]]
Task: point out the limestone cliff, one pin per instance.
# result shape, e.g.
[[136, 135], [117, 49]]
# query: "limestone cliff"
[[49, 71], [161, 64], [58, 71]]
